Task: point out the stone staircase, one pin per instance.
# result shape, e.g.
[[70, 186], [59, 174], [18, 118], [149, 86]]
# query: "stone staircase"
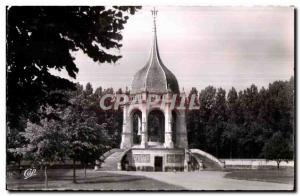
[[209, 161], [111, 159]]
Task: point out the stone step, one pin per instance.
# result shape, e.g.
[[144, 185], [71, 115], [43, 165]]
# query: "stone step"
[[111, 161], [208, 164], [110, 152]]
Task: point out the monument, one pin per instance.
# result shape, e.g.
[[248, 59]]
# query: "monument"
[[161, 137], [154, 138]]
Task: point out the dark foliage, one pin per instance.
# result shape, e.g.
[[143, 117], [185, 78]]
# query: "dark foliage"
[[278, 149], [250, 124], [40, 39], [242, 124]]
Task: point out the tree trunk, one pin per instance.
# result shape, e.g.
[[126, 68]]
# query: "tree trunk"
[[230, 154], [85, 171], [278, 162], [74, 171], [19, 166], [46, 177]]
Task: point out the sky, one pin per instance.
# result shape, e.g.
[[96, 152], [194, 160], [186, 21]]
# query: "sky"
[[220, 46]]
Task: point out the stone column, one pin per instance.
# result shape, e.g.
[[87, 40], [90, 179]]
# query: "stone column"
[[186, 161], [139, 125], [181, 134], [144, 133], [168, 127], [126, 129]]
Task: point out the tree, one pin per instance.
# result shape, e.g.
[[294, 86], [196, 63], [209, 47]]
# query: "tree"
[[231, 129], [229, 135], [86, 138], [218, 120], [281, 105], [195, 133], [112, 118], [46, 144], [207, 100], [74, 129], [88, 89], [232, 105], [41, 38], [278, 149], [249, 103], [14, 144], [240, 127]]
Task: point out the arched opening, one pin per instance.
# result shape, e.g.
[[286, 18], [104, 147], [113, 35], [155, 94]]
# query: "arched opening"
[[156, 126], [174, 126], [124, 163], [136, 117]]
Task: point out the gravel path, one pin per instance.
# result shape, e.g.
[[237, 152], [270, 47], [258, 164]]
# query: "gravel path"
[[208, 180]]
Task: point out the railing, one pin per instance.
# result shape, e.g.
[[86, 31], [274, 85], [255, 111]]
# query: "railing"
[[208, 156], [108, 153]]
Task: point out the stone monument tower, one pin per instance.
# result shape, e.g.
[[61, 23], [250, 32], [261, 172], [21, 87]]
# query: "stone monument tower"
[[155, 133]]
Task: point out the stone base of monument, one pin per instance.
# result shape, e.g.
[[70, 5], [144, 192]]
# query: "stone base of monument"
[[159, 160]]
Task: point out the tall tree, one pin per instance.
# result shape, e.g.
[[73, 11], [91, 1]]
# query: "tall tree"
[[229, 137], [251, 118], [195, 133], [41, 38], [112, 118], [281, 104], [218, 121], [207, 99], [86, 138], [249, 103]]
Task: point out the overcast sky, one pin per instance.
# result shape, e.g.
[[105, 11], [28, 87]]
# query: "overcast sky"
[[219, 46]]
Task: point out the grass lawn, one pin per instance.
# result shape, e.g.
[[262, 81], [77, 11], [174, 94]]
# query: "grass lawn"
[[61, 179], [283, 175]]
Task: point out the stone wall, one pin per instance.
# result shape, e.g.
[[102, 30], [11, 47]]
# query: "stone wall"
[[144, 160], [254, 163]]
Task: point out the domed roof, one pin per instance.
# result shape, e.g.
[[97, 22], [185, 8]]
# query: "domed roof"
[[154, 77]]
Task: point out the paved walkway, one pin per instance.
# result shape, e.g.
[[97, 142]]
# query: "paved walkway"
[[208, 180]]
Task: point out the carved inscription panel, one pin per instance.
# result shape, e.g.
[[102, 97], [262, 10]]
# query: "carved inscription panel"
[[174, 158], [141, 158]]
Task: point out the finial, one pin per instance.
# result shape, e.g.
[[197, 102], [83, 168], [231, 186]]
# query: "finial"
[[183, 91], [154, 14], [169, 89]]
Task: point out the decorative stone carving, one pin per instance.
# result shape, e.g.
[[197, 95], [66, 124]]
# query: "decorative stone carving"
[[141, 158], [175, 158]]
